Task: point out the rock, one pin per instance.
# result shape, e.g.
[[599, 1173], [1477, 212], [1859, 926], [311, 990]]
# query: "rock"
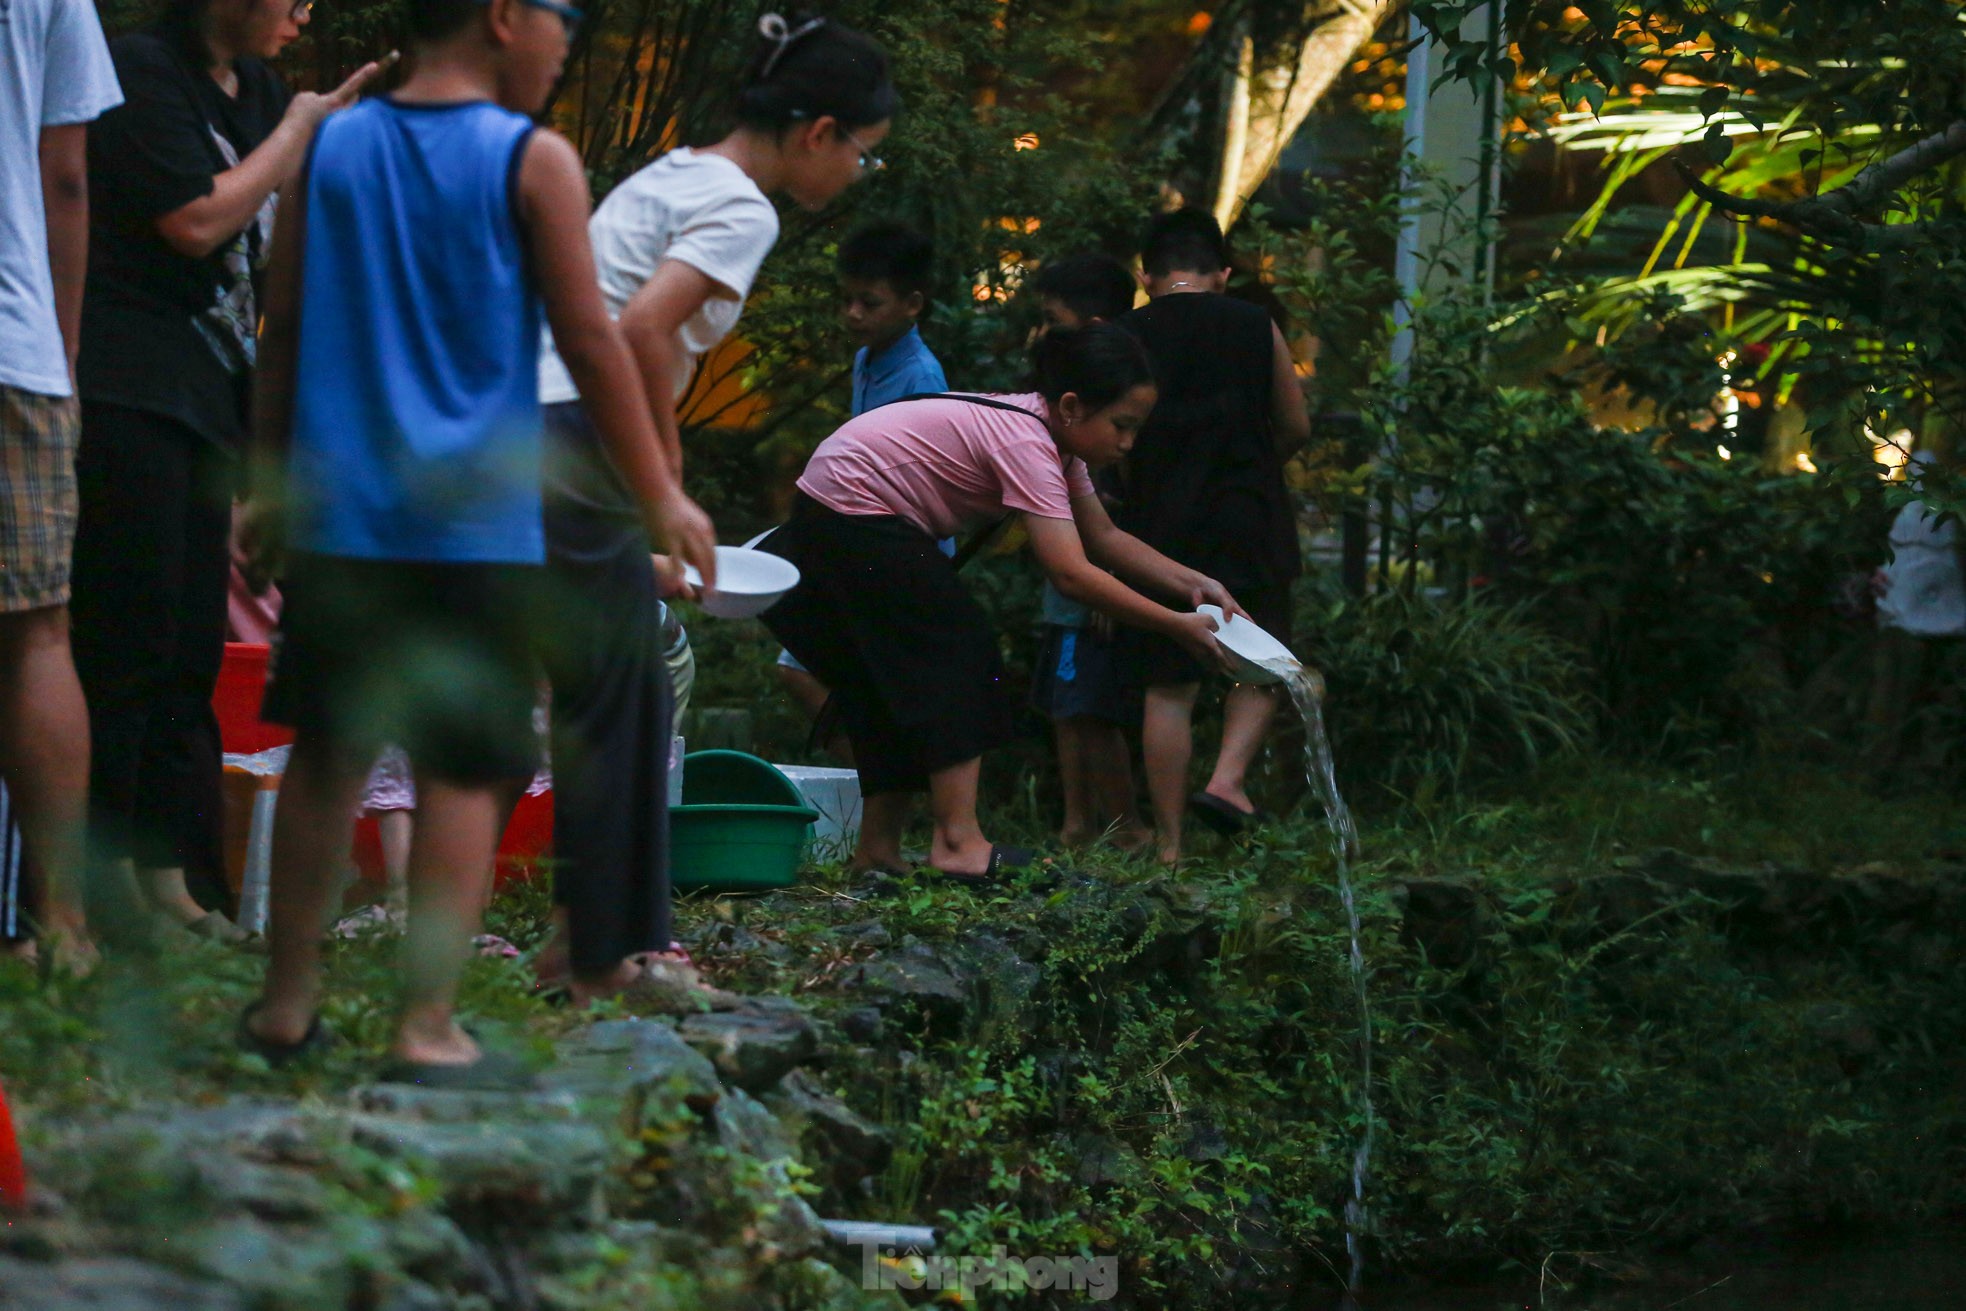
[[745, 1125], [844, 1149], [868, 935], [1444, 919], [673, 988], [913, 987], [861, 1023], [617, 1064], [1000, 980], [1103, 1162], [816, 1286], [293, 1267], [509, 1164], [108, 1284], [752, 1048]]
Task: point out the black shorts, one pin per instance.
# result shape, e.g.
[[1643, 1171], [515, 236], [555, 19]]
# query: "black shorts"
[[433, 658], [1150, 660], [881, 617], [1078, 677]]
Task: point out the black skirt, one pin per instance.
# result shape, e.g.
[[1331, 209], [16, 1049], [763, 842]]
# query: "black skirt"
[[882, 619]]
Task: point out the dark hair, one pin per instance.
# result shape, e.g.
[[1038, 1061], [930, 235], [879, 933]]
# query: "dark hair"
[[1100, 362], [182, 24], [808, 67], [892, 251], [431, 21], [1092, 284], [1187, 239]]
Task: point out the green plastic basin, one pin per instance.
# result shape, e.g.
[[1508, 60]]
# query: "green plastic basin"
[[742, 827]]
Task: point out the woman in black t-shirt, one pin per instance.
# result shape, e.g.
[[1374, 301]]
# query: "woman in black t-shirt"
[[182, 179]]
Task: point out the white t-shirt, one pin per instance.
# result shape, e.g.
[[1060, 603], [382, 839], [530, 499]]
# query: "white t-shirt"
[[54, 72], [700, 209], [1926, 595]]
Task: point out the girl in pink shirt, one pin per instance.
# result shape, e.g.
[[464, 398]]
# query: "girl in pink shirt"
[[880, 615]]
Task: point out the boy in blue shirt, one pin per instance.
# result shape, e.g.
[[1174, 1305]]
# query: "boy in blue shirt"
[[397, 435], [886, 270]]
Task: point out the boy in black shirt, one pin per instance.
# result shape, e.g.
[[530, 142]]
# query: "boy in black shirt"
[[1204, 484]]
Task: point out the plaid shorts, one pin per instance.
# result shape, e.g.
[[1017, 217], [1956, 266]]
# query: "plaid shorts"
[[38, 437]]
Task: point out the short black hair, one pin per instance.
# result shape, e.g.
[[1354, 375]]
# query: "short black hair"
[[892, 251], [807, 67], [1091, 283], [430, 21], [1099, 362], [1186, 239]]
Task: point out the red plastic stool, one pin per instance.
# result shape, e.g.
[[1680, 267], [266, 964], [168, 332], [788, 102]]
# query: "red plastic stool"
[[13, 1175]]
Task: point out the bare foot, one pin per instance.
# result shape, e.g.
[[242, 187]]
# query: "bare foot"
[[1131, 840], [585, 992], [1074, 838], [424, 1043], [71, 953]]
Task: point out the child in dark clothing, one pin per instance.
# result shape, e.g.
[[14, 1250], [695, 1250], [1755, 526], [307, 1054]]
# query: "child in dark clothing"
[[398, 427], [1205, 483]]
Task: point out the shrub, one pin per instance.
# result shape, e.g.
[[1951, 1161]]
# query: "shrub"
[[1444, 692]]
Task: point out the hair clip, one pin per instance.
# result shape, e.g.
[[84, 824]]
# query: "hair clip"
[[773, 28]]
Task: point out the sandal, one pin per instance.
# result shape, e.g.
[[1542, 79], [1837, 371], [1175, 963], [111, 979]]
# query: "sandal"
[[279, 1055], [491, 1072], [1225, 817], [1004, 862]]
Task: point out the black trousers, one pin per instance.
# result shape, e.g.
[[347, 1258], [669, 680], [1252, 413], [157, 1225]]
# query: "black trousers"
[[601, 649], [882, 618], [148, 615]]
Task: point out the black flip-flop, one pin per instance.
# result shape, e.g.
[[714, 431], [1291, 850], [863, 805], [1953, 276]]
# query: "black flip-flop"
[[491, 1072], [1224, 817], [1005, 862], [278, 1055]]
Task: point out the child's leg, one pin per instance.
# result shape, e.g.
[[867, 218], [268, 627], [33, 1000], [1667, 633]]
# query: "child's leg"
[[395, 829], [883, 817], [1166, 747], [1080, 823], [310, 832], [1109, 780], [450, 867], [959, 846], [1246, 714]]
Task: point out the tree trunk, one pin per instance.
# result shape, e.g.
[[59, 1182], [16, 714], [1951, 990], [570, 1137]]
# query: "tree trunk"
[[1274, 91]]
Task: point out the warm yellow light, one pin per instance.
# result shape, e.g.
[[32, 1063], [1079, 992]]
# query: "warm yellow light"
[[1723, 452], [1804, 463], [1029, 141]]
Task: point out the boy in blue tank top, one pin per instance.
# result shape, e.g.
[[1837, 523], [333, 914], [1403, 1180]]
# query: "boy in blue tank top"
[[397, 460]]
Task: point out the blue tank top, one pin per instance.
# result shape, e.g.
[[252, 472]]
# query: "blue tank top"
[[416, 432]]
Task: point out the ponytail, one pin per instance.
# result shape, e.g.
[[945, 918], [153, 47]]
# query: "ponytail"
[[1099, 363], [807, 67]]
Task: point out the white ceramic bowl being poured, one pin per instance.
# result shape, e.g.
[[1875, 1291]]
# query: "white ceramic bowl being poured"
[[1254, 655], [748, 582]]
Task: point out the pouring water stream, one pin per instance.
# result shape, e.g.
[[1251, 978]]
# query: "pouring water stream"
[[1320, 771]]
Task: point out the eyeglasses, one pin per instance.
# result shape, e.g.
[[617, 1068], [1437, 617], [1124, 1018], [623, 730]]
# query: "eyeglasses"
[[869, 161], [569, 16], [300, 11]]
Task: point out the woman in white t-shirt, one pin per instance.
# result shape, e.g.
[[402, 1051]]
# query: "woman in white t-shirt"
[[677, 246]]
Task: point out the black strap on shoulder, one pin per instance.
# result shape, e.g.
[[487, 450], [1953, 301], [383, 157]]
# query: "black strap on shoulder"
[[982, 537]]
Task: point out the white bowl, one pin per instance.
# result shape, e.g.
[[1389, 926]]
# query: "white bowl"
[[748, 582], [1255, 656]]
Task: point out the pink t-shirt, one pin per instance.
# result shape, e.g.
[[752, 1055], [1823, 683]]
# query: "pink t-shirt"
[[946, 466]]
